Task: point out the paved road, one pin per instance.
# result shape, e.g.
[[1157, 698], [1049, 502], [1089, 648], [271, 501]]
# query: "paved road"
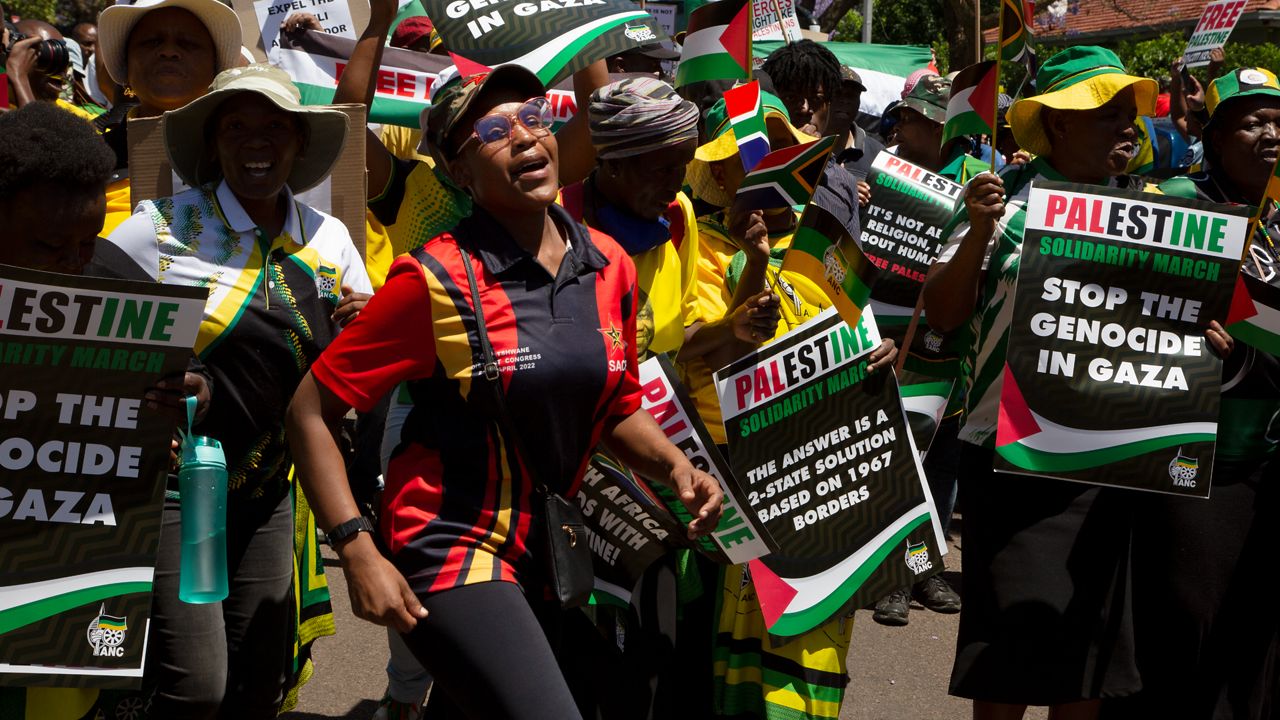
[[895, 673]]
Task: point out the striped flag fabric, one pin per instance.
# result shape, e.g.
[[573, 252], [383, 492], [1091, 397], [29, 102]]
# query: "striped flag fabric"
[[1017, 18], [971, 109], [786, 177], [1254, 317], [316, 60], [746, 117], [552, 38], [717, 45], [823, 251]]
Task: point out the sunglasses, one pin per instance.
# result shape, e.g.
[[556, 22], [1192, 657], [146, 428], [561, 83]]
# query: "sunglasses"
[[534, 115]]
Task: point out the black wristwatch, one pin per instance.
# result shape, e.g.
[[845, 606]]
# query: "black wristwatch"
[[347, 530]]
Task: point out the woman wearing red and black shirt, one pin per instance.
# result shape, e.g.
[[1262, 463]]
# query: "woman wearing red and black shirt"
[[560, 307]]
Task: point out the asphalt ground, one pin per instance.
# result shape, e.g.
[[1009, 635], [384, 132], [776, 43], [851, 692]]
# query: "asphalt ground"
[[896, 673]]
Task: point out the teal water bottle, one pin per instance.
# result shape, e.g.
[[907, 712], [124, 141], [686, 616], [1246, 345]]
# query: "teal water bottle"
[[202, 485]]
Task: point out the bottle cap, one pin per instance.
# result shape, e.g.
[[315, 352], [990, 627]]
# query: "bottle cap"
[[203, 449]]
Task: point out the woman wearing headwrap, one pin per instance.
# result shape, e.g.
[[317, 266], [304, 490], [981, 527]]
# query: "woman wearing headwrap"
[[1203, 650], [1047, 616]]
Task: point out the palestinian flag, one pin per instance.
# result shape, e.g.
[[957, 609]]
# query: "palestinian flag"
[[717, 45], [972, 107], [1034, 443], [1254, 317], [823, 251], [786, 177], [1016, 35], [746, 117]]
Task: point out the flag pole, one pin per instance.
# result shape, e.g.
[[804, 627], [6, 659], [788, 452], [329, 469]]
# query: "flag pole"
[[1256, 220], [911, 333], [782, 22], [995, 101]]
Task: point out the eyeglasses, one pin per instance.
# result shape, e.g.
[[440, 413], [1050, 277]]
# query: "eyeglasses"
[[534, 115]]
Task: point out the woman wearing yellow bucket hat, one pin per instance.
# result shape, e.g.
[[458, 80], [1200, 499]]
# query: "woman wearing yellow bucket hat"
[[1202, 648], [1047, 618]]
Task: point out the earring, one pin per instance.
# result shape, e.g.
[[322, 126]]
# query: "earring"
[[129, 93]]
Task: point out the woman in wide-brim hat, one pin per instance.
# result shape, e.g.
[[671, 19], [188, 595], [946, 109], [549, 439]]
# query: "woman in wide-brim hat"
[[1203, 649], [1047, 616], [282, 277], [164, 54]]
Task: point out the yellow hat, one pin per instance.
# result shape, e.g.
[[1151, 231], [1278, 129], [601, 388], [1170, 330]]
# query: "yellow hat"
[[724, 145], [1078, 78]]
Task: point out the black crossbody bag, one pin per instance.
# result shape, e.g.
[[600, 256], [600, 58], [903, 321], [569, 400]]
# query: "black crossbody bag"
[[565, 552]]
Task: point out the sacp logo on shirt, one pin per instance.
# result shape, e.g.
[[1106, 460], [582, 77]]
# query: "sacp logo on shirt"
[[616, 345]]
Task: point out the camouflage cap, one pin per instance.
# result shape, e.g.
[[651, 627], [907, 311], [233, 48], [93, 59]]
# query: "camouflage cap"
[[928, 97], [453, 102], [849, 75]]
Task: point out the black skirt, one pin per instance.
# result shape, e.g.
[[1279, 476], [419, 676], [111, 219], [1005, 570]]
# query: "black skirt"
[[1204, 580], [1047, 616]]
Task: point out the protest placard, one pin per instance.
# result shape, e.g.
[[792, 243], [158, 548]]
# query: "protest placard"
[[260, 21], [665, 15], [775, 20], [1214, 27], [552, 38], [341, 195], [316, 62], [826, 460], [628, 527], [83, 462], [902, 233], [1109, 378]]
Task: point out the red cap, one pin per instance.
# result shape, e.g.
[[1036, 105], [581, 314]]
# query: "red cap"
[[412, 31]]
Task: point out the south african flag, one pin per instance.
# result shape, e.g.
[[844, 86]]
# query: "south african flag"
[[786, 177]]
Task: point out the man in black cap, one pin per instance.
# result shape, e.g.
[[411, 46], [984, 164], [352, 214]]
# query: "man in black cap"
[[646, 59], [859, 148]]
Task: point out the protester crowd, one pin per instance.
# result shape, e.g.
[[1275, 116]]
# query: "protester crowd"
[[485, 334]]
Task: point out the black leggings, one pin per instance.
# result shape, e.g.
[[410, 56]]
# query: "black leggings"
[[489, 656]]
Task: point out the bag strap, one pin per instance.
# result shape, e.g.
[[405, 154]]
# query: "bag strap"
[[493, 375]]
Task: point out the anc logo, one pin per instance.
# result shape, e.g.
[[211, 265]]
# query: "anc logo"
[[833, 266], [917, 557], [327, 283], [1183, 470], [640, 33], [106, 634]]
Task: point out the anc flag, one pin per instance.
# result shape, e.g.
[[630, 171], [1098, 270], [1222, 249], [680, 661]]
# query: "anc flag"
[[746, 117], [972, 107], [717, 45], [786, 177], [823, 251]]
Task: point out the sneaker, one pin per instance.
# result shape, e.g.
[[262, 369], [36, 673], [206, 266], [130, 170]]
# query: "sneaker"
[[893, 608], [389, 709], [935, 594]]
